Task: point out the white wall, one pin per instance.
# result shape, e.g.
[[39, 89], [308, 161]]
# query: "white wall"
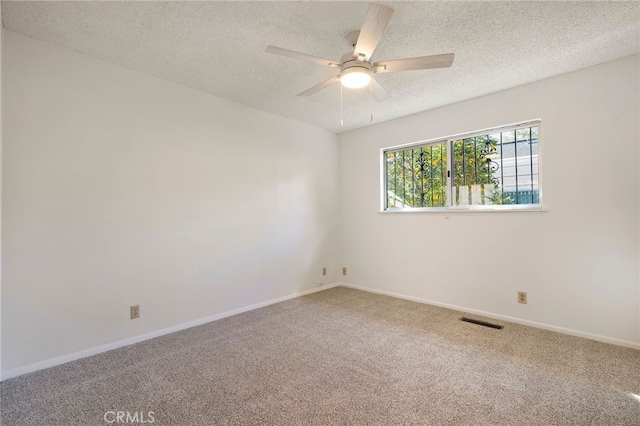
[[120, 188], [579, 262]]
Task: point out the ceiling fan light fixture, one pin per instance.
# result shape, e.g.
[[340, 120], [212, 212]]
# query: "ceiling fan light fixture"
[[355, 77]]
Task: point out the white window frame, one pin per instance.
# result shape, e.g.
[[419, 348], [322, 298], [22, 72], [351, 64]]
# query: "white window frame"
[[462, 208]]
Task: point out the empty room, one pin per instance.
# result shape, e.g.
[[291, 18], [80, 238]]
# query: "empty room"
[[320, 213]]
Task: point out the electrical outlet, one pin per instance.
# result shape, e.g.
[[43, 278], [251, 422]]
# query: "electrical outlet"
[[522, 297], [134, 311], [344, 270], [324, 270]]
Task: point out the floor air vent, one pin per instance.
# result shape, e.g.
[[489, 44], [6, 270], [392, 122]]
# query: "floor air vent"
[[482, 323]]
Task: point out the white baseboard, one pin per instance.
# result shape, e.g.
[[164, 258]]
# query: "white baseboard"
[[15, 372], [5, 375], [571, 332]]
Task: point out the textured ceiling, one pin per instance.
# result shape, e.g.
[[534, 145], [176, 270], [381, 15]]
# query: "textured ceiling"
[[218, 47]]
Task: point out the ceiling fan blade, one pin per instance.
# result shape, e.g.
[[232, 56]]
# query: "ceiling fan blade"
[[319, 87], [303, 56], [377, 19], [379, 92], [419, 63]]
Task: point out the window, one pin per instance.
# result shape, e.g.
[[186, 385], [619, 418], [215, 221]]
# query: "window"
[[494, 169]]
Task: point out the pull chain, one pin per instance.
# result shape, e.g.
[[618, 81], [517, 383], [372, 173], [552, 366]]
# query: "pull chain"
[[341, 122], [371, 98]]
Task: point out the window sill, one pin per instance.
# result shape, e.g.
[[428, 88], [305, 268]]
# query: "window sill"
[[470, 209]]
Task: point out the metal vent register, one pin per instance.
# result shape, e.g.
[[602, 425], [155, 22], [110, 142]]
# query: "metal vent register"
[[482, 323]]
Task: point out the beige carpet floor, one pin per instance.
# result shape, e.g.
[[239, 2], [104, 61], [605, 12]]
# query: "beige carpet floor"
[[340, 357]]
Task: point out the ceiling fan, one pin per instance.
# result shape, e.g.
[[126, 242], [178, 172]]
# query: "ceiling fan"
[[356, 68]]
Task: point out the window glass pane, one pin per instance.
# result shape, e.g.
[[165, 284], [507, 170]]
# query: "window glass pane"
[[521, 169], [407, 167], [434, 175], [498, 168], [390, 178], [417, 177], [474, 171]]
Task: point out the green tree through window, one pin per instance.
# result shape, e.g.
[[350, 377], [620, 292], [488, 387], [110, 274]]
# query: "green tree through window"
[[498, 168], [417, 177]]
